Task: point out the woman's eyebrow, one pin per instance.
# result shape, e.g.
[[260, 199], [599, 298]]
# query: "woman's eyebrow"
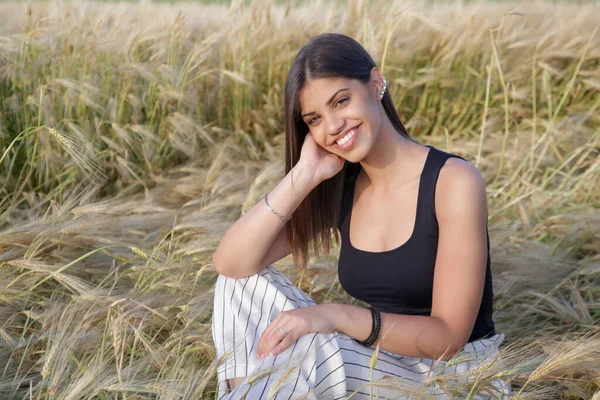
[[328, 102]]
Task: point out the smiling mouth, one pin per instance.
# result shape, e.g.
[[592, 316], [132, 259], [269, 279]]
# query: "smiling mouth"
[[347, 136], [347, 141]]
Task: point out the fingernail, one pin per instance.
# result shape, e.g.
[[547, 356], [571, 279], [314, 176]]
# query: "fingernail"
[[273, 353]]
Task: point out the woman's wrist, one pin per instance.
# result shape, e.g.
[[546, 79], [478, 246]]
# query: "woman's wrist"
[[334, 312], [349, 319], [304, 176]]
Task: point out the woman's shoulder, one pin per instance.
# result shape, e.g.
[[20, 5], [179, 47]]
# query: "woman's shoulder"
[[457, 169], [455, 166], [460, 186]]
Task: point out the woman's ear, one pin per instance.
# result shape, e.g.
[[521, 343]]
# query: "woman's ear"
[[376, 81]]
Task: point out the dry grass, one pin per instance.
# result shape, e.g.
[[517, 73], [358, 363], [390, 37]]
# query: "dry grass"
[[133, 135]]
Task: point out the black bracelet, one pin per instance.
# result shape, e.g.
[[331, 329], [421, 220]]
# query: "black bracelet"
[[375, 327]]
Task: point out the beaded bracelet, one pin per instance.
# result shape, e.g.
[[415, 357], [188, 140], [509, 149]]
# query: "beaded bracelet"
[[375, 327]]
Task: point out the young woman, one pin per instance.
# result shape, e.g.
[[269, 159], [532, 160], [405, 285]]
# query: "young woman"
[[414, 246]]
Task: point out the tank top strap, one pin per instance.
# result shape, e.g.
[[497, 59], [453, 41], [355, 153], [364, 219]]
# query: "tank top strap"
[[435, 161]]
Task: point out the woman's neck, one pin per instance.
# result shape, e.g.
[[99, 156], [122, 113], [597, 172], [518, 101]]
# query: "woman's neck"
[[393, 160]]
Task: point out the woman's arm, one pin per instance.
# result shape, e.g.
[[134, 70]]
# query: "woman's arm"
[[409, 335], [246, 243]]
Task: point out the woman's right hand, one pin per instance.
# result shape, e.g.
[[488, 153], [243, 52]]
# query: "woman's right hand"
[[324, 164]]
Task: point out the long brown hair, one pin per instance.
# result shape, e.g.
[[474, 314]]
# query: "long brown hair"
[[329, 55]]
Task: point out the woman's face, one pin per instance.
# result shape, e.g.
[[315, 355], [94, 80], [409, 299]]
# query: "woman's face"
[[346, 110]]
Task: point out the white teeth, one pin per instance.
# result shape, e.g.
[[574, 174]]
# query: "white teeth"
[[347, 137]]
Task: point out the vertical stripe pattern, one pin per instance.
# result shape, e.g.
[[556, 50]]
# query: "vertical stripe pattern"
[[318, 365]]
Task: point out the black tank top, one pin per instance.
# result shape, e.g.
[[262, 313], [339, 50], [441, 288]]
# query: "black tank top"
[[401, 280]]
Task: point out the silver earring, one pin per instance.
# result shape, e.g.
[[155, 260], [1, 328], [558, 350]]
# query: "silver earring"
[[383, 88]]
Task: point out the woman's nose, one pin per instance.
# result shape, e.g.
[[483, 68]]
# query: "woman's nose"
[[335, 125]]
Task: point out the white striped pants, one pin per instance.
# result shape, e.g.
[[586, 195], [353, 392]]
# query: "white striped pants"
[[318, 365]]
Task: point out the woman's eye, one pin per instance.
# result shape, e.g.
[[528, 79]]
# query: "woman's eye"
[[342, 100], [339, 102]]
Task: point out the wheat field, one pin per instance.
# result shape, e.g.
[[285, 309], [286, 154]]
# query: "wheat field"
[[133, 134]]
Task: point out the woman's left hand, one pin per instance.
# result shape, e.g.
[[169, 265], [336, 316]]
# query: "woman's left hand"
[[296, 323]]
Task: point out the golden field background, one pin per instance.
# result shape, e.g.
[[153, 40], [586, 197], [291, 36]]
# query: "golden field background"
[[132, 135]]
